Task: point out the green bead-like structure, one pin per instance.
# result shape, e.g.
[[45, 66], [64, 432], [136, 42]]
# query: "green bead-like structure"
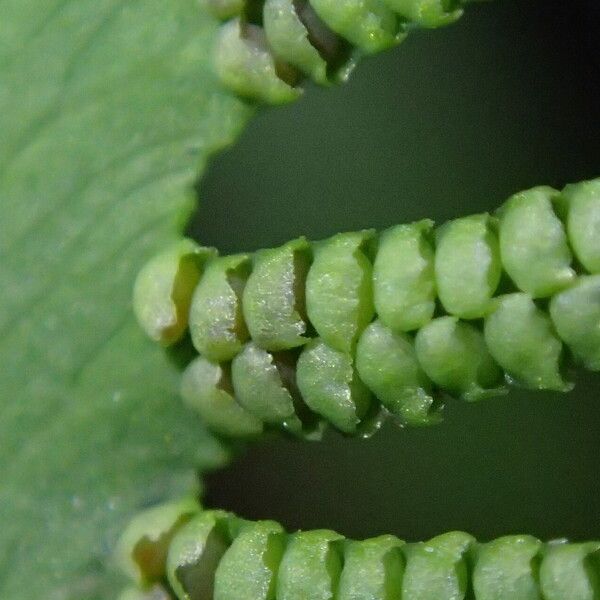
[[361, 326], [215, 555], [266, 48]]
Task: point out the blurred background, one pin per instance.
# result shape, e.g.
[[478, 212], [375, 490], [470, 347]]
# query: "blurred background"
[[450, 123]]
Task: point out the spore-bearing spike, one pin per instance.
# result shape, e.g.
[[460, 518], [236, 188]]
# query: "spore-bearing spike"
[[267, 47], [215, 555], [358, 326]]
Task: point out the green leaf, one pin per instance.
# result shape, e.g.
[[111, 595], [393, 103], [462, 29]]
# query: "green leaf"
[[108, 111]]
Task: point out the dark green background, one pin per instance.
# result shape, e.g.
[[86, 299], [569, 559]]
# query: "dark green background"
[[452, 122]]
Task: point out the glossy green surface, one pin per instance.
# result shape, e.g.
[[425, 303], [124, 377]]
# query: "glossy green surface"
[[259, 387], [163, 290], [454, 355], [195, 553], [143, 547], [274, 297], [507, 569], [311, 566], [244, 64], [206, 388], [368, 24], [438, 568], [583, 222], [217, 323], [467, 266], [403, 276], [373, 569], [339, 289], [331, 387], [522, 339], [249, 567], [575, 314], [571, 572], [427, 13], [289, 40], [533, 243], [387, 363]]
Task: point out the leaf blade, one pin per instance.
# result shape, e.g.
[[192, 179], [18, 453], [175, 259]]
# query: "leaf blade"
[[108, 111]]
